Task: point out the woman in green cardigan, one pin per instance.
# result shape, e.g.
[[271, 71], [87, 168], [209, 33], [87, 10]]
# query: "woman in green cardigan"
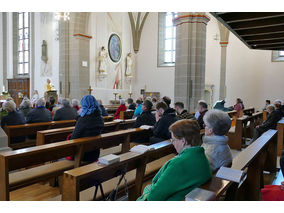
[[183, 173]]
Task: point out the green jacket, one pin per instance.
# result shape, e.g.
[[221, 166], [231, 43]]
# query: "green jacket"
[[183, 173]]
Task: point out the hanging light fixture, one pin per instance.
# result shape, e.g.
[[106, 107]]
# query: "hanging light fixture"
[[62, 15]]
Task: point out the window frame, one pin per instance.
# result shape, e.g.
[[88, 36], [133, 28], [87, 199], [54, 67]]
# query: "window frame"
[[162, 39], [26, 58], [276, 56]]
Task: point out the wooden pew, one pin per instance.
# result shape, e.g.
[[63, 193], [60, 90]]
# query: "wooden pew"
[[126, 114], [33, 128], [260, 156], [280, 129], [34, 156], [233, 116], [111, 109], [248, 111], [77, 180], [243, 128], [60, 134]]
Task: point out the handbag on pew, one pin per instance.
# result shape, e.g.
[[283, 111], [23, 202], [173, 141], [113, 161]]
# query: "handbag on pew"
[[113, 195]]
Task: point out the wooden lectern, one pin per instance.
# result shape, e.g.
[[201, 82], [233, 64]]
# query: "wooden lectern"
[[51, 93]]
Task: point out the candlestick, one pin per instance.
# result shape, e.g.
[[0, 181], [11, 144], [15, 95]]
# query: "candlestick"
[[115, 94]]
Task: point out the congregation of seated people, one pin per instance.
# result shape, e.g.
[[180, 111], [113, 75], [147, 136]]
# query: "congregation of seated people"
[[197, 157]]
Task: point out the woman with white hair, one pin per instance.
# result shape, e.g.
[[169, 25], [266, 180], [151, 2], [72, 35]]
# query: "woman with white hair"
[[14, 117], [217, 124], [66, 112], [121, 108], [26, 106], [40, 113]]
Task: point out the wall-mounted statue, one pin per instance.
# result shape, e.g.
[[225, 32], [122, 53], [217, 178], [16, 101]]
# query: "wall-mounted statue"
[[129, 63], [102, 60], [44, 51]]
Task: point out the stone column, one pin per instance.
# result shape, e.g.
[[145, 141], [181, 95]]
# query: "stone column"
[[190, 58], [224, 38]]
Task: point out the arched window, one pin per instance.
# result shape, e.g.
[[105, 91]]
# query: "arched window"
[[23, 43], [167, 39]]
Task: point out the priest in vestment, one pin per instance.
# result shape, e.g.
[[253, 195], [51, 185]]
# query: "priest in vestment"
[[48, 86]]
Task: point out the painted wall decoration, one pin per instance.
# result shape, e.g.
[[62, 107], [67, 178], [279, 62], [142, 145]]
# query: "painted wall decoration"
[[114, 48]]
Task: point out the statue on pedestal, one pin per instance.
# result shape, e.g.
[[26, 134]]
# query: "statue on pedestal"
[[129, 62], [102, 61]]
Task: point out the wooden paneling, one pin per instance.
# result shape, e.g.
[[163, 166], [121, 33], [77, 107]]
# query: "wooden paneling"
[[19, 85]]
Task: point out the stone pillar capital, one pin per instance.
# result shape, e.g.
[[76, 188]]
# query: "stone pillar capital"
[[82, 36], [191, 18], [224, 43]]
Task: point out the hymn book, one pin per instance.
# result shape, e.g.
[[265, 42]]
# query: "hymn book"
[[141, 149], [234, 175], [146, 127], [109, 159]]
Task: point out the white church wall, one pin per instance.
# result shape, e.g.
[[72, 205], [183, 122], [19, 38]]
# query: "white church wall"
[[45, 30], [101, 26], [156, 79]]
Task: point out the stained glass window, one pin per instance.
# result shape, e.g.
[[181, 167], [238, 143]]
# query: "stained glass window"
[[23, 43], [167, 39]]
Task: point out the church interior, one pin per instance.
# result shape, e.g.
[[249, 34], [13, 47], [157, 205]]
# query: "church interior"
[[147, 106]]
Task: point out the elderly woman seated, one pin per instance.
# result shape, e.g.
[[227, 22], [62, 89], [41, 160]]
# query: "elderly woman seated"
[[215, 143], [26, 106], [183, 173], [14, 117]]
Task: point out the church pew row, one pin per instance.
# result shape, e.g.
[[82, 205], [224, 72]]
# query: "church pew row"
[[260, 156], [280, 140], [138, 168], [78, 183], [248, 111], [244, 128], [36, 156], [33, 128], [126, 114], [60, 134]]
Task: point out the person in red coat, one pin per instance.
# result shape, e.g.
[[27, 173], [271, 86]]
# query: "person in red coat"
[[121, 108]]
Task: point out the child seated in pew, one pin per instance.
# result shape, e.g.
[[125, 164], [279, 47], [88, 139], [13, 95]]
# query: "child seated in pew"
[[217, 124], [14, 117], [183, 173], [90, 123]]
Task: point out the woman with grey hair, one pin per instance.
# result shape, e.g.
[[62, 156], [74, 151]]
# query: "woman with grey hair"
[[14, 117], [26, 106], [121, 108], [217, 124]]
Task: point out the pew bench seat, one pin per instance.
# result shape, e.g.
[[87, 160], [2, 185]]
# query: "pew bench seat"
[[151, 169], [26, 177]]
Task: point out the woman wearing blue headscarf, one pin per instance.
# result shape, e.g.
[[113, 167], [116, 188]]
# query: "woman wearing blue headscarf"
[[90, 123]]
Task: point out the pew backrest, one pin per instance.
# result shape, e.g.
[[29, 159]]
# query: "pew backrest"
[[60, 134], [23, 158]]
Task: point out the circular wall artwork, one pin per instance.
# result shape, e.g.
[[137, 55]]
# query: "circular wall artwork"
[[114, 47]]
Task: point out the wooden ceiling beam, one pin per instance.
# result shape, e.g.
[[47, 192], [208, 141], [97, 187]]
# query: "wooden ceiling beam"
[[268, 46], [247, 16], [264, 37], [260, 31], [280, 48], [270, 41], [271, 22]]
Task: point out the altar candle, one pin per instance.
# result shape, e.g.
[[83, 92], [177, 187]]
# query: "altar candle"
[[3, 88], [130, 90]]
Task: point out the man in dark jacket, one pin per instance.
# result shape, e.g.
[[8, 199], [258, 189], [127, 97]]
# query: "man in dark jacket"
[[66, 112], [165, 117], [202, 109], [131, 103], [14, 117], [270, 123], [40, 113], [146, 118], [183, 113]]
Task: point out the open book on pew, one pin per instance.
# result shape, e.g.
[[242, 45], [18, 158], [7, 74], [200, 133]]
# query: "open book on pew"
[[118, 120], [109, 159], [146, 127], [237, 176], [199, 194], [141, 149]]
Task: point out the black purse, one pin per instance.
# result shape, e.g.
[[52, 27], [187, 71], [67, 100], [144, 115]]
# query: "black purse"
[[112, 196]]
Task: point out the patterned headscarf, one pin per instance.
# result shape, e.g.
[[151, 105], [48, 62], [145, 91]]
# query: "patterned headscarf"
[[89, 105]]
